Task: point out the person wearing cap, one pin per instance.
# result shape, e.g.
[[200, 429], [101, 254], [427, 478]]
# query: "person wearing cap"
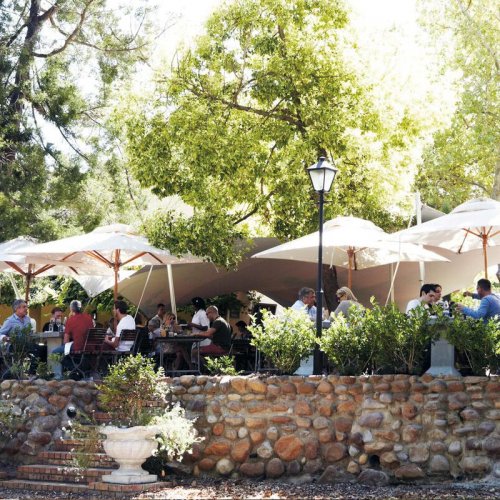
[[76, 330]]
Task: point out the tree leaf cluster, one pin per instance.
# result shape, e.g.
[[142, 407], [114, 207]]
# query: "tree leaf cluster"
[[265, 91], [463, 161], [60, 66]]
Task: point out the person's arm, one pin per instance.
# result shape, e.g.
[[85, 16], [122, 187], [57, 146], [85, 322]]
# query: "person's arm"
[[5, 330], [208, 334], [112, 341], [478, 313], [200, 327]]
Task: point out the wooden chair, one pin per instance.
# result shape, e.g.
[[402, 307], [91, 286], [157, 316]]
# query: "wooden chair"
[[127, 336], [93, 348]]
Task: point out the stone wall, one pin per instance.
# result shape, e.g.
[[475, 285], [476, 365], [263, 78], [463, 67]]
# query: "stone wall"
[[374, 428], [40, 410], [370, 428]]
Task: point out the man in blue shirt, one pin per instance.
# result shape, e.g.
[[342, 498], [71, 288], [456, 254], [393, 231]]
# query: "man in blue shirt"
[[305, 302], [489, 306], [19, 319]]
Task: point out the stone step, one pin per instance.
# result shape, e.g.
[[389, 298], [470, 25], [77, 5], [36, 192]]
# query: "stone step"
[[69, 457], [23, 484], [58, 473], [120, 490], [72, 444]]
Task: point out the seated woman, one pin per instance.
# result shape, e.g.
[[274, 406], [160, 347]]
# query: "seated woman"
[[242, 332], [347, 300]]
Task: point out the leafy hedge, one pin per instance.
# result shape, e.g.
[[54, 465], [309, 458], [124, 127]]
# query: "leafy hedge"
[[379, 340]]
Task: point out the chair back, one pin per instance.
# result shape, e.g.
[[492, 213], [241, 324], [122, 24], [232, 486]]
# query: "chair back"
[[130, 336], [95, 340]]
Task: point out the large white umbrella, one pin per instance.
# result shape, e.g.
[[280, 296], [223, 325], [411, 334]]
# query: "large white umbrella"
[[352, 243], [115, 246], [94, 279], [472, 225]]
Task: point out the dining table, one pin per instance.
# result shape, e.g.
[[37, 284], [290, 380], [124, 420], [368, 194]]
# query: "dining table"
[[186, 341]]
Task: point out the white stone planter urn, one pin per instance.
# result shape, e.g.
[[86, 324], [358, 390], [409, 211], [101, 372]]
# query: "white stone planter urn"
[[130, 447]]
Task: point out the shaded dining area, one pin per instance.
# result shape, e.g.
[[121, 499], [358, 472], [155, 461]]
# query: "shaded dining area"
[[156, 289]]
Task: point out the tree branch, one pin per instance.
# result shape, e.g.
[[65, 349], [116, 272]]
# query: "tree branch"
[[71, 37], [479, 33]]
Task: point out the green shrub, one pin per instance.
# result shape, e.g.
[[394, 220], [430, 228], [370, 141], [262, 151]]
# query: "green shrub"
[[346, 345], [379, 340], [477, 342], [128, 387], [401, 341], [16, 353], [284, 340], [223, 365]]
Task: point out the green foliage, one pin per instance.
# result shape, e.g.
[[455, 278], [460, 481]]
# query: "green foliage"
[[284, 340], [381, 339], [402, 339], [464, 159], [16, 353], [346, 344], [128, 387], [242, 116], [223, 365], [60, 63], [478, 342], [8, 422]]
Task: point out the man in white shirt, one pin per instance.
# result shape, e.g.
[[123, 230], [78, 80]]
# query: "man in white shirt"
[[125, 322], [427, 297], [305, 302]]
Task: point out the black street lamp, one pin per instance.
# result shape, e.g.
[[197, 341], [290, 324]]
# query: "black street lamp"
[[322, 176]]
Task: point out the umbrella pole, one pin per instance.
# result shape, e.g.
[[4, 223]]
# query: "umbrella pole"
[[171, 289], [350, 255], [29, 275], [115, 288], [485, 254]]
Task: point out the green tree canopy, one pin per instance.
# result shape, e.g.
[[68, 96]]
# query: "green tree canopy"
[[267, 90], [464, 158], [60, 64]]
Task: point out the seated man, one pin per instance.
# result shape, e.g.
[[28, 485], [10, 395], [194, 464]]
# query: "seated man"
[[489, 306], [56, 320], [219, 332], [125, 322], [427, 297], [19, 320], [77, 326], [305, 302]]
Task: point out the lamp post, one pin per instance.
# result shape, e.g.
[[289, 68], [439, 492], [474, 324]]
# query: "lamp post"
[[322, 175]]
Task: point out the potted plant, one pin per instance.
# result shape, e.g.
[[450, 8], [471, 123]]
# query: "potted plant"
[[284, 340], [141, 424]]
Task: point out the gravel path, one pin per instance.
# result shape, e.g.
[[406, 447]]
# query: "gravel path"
[[243, 489]]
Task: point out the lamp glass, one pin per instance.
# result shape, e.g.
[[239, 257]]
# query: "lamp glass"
[[322, 175]]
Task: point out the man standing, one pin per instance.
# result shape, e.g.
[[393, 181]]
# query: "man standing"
[[489, 306], [125, 322], [305, 302], [19, 320], [427, 297]]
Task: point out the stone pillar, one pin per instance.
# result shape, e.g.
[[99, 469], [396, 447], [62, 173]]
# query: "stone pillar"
[[442, 359]]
